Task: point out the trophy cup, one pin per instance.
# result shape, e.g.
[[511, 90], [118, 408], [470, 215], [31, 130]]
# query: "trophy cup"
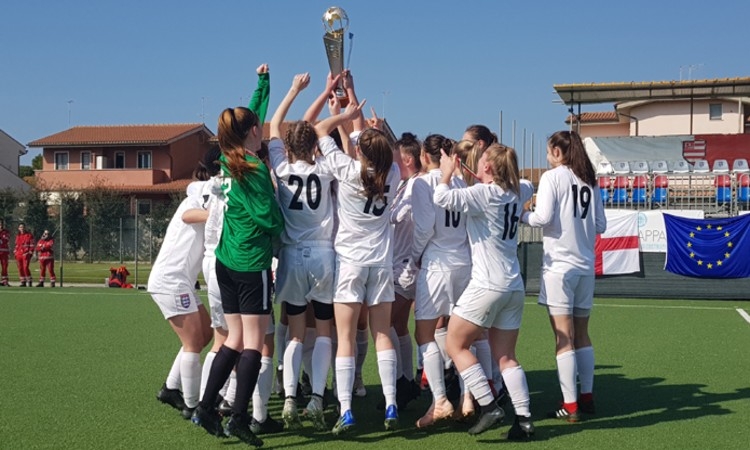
[[336, 22]]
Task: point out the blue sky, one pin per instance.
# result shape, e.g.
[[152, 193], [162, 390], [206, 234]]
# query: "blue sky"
[[433, 67]]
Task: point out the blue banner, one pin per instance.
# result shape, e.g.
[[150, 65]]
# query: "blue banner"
[[708, 248]]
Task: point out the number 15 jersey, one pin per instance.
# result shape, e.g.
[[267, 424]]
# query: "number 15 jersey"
[[571, 214], [365, 233]]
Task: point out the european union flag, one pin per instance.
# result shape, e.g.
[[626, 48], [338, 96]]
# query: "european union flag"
[[708, 248]]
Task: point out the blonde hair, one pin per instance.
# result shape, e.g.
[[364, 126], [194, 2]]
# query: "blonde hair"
[[470, 153], [504, 164]]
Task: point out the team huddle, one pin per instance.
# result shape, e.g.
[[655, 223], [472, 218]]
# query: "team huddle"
[[364, 232]]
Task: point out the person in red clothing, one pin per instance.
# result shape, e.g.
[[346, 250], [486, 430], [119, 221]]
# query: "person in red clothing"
[[46, 254], [23, 252], [4, 252]]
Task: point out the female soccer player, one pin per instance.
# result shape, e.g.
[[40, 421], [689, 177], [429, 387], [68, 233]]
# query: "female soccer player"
[[494, 298], [474, 142], [441, 249], [243, 269], [364, 253], [570, 211], [307, 258]]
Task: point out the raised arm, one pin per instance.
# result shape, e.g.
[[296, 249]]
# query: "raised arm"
[[312, 113], [325, 126], [359, 120], [300, 82], [259, 101]]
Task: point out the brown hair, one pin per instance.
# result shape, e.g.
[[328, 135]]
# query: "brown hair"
[[209, 166], [470, 152], [574, 155], [436, 142], [481, 132], [300, 141], [377, 159], [234, 126], [504, 163], [410, 145]]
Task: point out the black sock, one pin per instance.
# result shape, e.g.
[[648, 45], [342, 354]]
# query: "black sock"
[[248, 368], [489, 408], [220, 369]]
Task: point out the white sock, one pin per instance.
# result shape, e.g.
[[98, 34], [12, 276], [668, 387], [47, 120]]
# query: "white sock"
[[585, 364], [307, 350], [395, 343], [231, 388], [362, 342], [345, 381], [292, 363], [484, 356], [387, 361], [262, 392], [440, 336], [281, 341], [190, 371], [406, 349], [476, 382], [207, 362], [518, 390], [433, 367], [174, 380], [321, 363], [566, 373]]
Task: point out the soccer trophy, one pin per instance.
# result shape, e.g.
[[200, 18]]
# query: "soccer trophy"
[[336, 22]]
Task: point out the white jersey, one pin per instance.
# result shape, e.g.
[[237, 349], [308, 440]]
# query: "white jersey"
[[440, 239], [365, 233], [571, 214], [214, 202], [304, 193], [403, 225], [492, 226], [179, 261]]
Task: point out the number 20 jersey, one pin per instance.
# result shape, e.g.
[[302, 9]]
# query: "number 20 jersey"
[[304, 192], [365, 233]]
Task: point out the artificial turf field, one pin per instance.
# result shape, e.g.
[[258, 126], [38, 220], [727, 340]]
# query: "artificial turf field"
[[81, 367]]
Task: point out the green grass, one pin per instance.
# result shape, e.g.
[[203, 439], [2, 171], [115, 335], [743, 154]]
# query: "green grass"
[[81, 368]]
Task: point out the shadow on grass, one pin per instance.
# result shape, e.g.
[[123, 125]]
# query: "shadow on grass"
[[621, 403]]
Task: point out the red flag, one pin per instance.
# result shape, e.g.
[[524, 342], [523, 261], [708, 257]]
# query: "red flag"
[[617, 248]]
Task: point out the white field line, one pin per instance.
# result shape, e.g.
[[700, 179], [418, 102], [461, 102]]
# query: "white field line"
[[609, 305], [744, 315]]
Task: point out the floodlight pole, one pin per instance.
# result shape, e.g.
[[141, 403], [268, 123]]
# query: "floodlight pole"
[[135, 248], [62, 248]]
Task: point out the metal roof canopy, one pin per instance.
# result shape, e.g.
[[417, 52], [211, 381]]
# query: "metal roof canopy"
[[590, 93]]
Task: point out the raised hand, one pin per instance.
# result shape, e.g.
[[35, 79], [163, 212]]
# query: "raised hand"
[[263, 68], [374, 121], [301, 81]]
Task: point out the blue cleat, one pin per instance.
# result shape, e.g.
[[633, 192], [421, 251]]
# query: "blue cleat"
[[345, 423], [391, 418]]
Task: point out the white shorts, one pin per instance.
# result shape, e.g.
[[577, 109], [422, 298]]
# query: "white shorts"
[[214, 293], [491, 309], [438, 291], [172, 305], [405, 279], [306, 273], [370, 285], [567, 293]]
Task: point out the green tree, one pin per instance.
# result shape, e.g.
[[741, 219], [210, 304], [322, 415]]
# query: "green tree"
[[104, 209], [36, 211], [25, 171], [75, 231], [9, 199], [36, 162]]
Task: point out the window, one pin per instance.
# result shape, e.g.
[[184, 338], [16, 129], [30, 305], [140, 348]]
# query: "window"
[[119, 160], [144, 160], [61, 160], [144, 207], [85, 160], [714, 111]]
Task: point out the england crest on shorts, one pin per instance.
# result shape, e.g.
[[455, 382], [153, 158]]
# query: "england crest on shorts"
[[183, 300]]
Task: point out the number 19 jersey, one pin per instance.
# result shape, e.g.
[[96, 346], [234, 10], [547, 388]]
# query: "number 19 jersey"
[[304, 192], [365, 233]]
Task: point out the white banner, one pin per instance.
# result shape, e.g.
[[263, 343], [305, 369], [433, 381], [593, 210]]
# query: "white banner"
[[651, 232]]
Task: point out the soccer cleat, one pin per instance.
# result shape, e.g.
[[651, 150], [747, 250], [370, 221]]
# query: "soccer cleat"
[[268, 426], [40, 284], [404, 393], [564, 414], [289, 415], [315, 413], [487, 420], [521, 429], [465, 408], [187, 413], [586, 407], [391, 418], [51, 284], [345, 424], [171, 397], [240, 429], [359, 387], [439, 409], [209, 419], [225, 408]]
